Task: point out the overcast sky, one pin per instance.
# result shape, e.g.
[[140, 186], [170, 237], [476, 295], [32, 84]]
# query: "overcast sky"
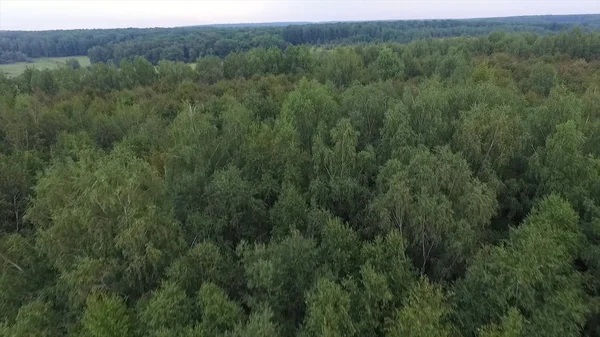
[[50, 14]]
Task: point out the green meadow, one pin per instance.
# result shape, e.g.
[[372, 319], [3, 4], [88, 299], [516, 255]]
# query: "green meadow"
[[15, 69]]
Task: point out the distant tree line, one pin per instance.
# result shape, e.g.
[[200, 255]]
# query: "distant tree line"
[[186, 44], [340, 66], [8, 57]]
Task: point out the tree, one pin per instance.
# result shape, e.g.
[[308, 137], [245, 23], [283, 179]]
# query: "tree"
[[366, 107], [372, 302], [397, 135], [422, 178], [145, 73], [542, 79], [43, 80], [290, 212], [17, 178], [386, 255], [36, 318], [436, 203], [236, 65], [171, 73], [532, 273], [389, 65], [260, 324], [429, 114], [298, 60], [425, 313], [109, 206], [106, 315], [209, 69], [328, 311], [23, 273], [191, 157], [511, 326], [280, 274], [232, 210], [168, 309], [173, 53], [341, 66], [489, 137], [341, 172], [204, 262], [219, 313], [73, 63], [308, 106], [99, 54], [340, 248], [563, 168]]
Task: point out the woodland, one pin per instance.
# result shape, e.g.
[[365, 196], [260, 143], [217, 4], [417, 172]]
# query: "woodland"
[[435, 188], [186, 44]]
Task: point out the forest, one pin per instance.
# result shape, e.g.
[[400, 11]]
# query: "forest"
[[444, 187], [186, 44]]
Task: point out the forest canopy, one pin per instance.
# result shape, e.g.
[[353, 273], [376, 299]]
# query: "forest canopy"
[[442, 187]]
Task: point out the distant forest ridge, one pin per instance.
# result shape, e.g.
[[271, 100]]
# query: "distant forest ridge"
[[186, 44]]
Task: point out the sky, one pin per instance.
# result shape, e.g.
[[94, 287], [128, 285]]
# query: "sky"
[[75, 14]]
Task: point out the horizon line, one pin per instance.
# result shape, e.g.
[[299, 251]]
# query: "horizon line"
[[295, 23]]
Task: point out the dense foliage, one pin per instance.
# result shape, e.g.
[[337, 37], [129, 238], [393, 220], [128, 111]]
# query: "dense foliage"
[[8, 57], [186, 44], [446, 187]]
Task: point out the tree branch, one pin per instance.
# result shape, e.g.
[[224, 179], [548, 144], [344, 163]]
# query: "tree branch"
[[12, 263]]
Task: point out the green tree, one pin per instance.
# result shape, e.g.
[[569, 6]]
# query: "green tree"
[[542, 79], [232, 209], [34, 319], [145, 72], [563, 168], [106, 315], [511, 326], [436, 203], [290, 212], [298, 60], [366, 107], [204, 262], [310, 105], [219, 313], [372, 302], [389, 65], [73, 63], [489, 137], [328, 311], [236, 65], [340, 247], [341, 66], [168, 309], [386, 256], [190, 159], [397, 134], [171, 73], [43, 80], [259, 324], [17, 177], [429, 113], [106, 206], [209, 69], [23, 273], [532, 273], [424, 314], [341, 172], [280, 274]]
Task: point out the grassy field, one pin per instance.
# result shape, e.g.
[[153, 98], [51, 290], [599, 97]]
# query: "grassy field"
[[16, 69]]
